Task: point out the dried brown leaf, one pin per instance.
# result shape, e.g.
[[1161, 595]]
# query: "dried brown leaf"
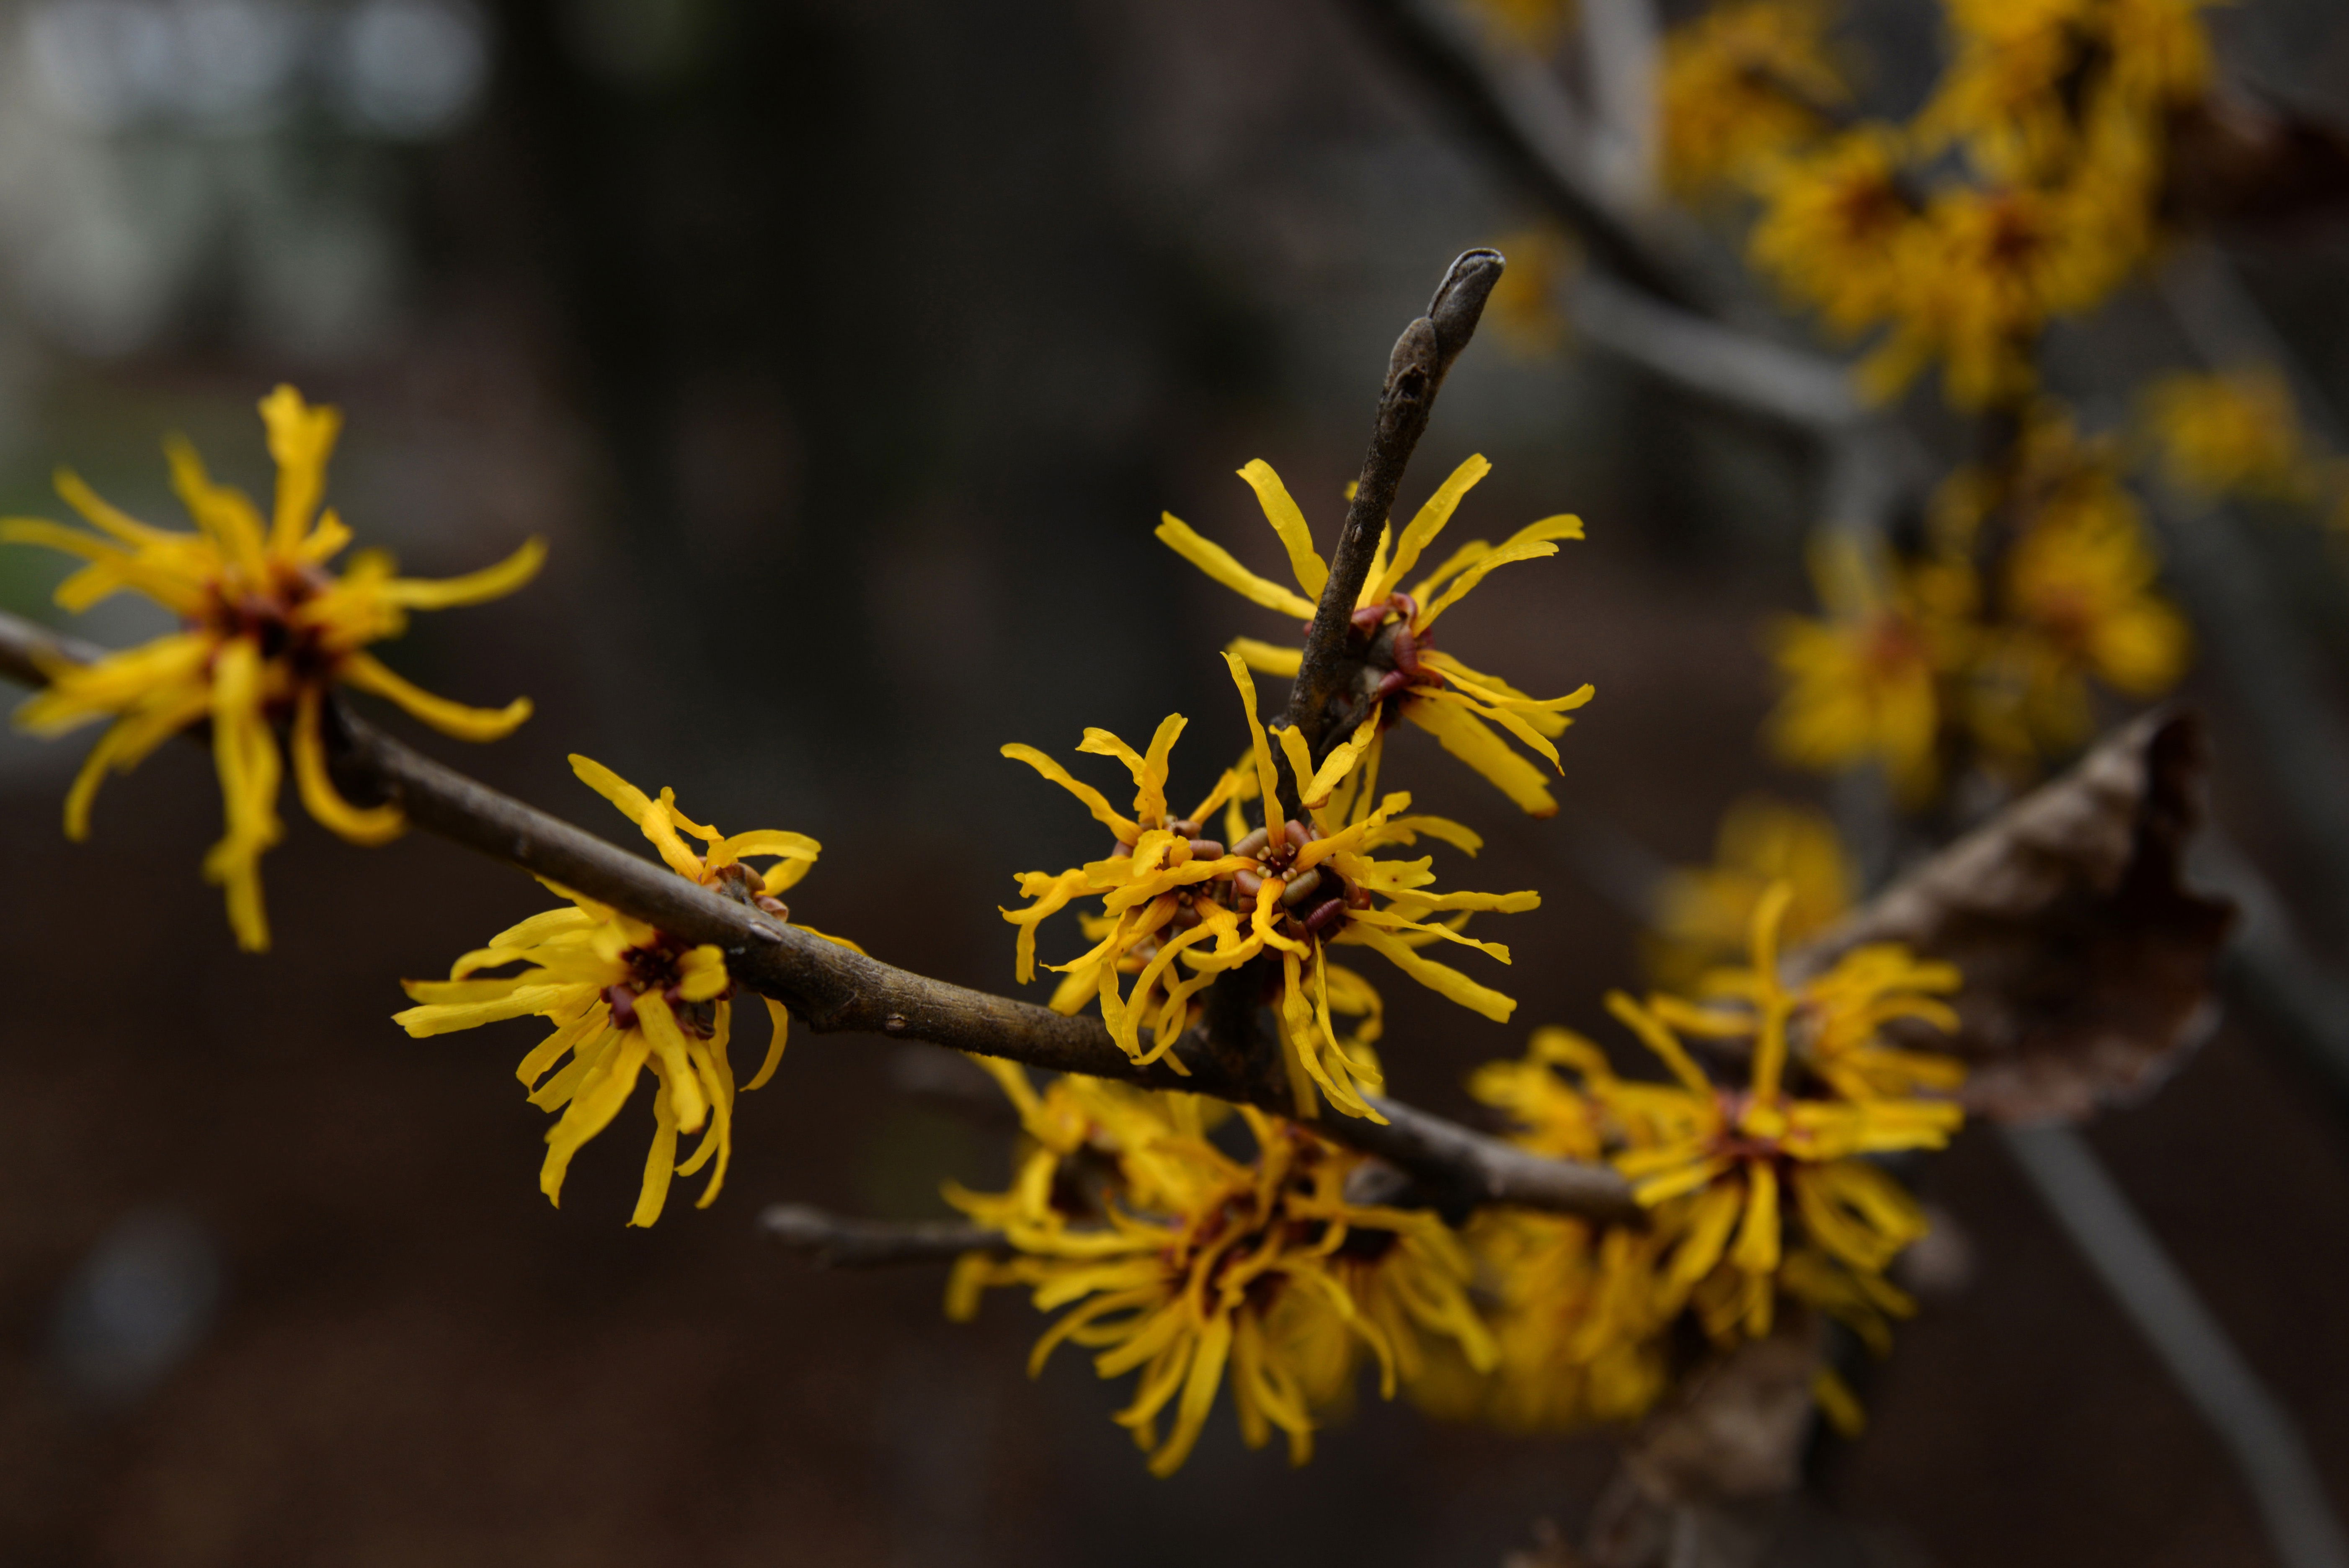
[[1706, 1477], [1733, 1430], [2087, 962]]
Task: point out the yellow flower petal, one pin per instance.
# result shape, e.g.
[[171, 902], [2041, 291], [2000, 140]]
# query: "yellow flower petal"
[[301, 440], [1296, 537], [1218, 563], [1424, 528], [368, 673], [1464, 734], [373, 825], [474, 587], [1093, 798]]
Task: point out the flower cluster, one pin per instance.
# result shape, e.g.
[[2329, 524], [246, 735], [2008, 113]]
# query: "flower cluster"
[[268, 631], [1761, 1183], [1184, 1263], [2028, 188], [1179, 909], [627, 998], [2038, 580]]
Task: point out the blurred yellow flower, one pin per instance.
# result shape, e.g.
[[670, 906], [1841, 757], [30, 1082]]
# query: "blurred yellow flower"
[[1525, 306], [2236, 432], [1704, 914], [1986, 270], [1835, 229], [1863, 684], [1575, 1315], [2080, 601], [1395, 631], [627, 998], [1742, 83], [2038, 88], [269, 630], [2077, 596], [1182, 1263]]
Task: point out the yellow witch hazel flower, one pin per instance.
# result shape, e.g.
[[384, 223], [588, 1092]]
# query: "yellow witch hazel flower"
[[1756, 1188], [627, 998], [1574, 1307], [1718, 1164], [1986, 269], [1574, 1313], [1190, 1267], [1741, 84], [2077, 591], [269, 630], [1862, 684], [1395, 631], [1836, 225], [2081, 601], [2038, 87], [1705, 914], [2233, 433], [1178, 910]]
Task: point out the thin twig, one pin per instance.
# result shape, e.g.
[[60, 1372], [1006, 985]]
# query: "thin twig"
[[830, 987], [1464, 1170], [25, 648], [1415, 372], [834, 1242], [2258, 1432], [1623, 44]]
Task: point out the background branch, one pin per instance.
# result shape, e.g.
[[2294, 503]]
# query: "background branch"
[[831, 1241], [1522, 132], [2258, 1432]]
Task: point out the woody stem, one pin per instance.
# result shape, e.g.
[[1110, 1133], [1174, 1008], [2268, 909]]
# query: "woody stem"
[[1415, 372]]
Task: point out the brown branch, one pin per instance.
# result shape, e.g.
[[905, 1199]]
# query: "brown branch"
[[830, 988], [1415, 372], [834, 1242], [1458, 1168]]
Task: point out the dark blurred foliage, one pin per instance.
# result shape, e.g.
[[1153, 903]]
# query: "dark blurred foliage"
[[848, 353]]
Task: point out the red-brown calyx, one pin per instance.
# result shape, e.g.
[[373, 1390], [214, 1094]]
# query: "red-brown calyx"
[[654, 968]]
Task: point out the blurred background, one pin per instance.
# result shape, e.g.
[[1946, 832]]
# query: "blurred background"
[[848, 353]]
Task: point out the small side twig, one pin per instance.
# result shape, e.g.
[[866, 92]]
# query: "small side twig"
[[834, 1242]]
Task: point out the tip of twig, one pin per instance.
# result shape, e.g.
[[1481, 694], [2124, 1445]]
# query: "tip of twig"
[[1460, 298]]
